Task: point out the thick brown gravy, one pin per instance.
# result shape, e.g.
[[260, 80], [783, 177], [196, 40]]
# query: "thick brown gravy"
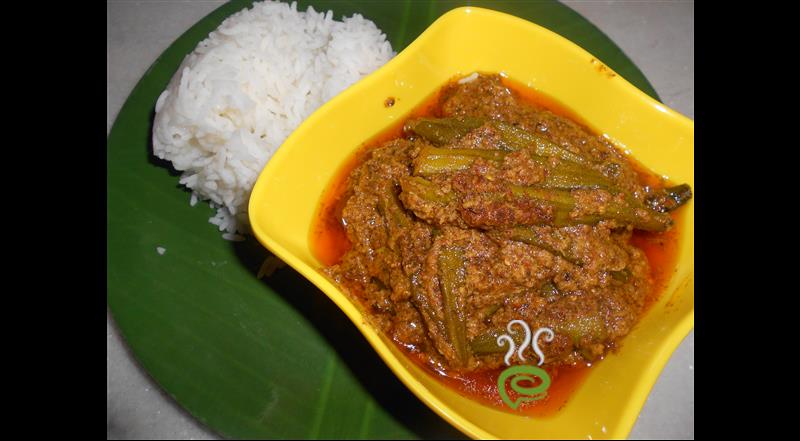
[[329, 243]]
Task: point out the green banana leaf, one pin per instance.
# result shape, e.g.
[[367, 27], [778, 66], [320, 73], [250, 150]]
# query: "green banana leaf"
[[269, 358]]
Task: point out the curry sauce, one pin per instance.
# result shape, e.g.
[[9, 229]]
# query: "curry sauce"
[[496, 204]]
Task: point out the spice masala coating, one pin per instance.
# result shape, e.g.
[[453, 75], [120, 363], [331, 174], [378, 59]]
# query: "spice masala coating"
[[499, 210]]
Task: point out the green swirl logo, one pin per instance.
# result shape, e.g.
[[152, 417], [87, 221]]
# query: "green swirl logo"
[[519, 374]]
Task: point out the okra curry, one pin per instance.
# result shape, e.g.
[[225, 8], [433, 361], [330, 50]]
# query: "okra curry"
[[488, 207]]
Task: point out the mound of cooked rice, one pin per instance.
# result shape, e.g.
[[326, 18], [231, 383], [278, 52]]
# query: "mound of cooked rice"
[[246, 87]]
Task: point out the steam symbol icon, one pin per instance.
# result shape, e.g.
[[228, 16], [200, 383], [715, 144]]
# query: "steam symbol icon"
[[523, 373]]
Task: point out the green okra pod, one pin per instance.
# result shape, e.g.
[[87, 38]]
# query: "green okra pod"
[[452, 275]]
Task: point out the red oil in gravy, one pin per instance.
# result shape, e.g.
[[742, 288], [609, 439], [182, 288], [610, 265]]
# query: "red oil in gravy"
[[329, 243]]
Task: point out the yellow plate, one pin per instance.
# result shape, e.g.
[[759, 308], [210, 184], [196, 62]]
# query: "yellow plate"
[[286, 196]]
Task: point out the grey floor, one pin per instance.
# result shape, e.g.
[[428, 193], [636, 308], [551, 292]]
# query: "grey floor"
[[657, 35]]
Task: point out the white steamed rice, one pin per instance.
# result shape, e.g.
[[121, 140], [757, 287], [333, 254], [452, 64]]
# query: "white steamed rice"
[[246, 87]]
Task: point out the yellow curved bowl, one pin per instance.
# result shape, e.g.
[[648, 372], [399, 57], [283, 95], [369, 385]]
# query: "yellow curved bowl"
[[288, 191]]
